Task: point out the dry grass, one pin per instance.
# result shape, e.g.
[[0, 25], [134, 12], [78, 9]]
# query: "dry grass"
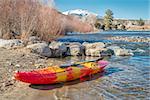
[[144, 27], [30, 17]]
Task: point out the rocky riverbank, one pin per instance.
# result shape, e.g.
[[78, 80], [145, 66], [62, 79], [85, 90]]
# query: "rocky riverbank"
[[15, 55], [63, 49]]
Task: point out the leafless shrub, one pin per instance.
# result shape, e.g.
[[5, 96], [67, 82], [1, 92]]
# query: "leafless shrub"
[[24, 18], [18, 16]]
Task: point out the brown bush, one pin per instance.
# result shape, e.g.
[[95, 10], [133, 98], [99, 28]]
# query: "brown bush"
[[74, 24], [24, 18], [18, 16]]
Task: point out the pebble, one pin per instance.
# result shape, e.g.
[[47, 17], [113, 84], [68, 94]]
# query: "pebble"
[[18, 66]]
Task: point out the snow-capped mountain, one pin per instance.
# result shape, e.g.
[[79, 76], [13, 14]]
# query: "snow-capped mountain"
[[84, 15], [80, 12]]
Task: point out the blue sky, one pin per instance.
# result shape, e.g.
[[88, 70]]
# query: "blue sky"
[[130, 9]]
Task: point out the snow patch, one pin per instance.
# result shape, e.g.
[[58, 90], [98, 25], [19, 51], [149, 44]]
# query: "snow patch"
[[79, 12]]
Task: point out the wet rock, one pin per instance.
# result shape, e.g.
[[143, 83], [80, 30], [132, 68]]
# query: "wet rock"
[[97, 45], [59, 49], [93, 52], [40, 48], [107, 52], [11, 43], [75, 49], [120, 52], [123, 52], [139, 50], [113, 47], [94, 49]]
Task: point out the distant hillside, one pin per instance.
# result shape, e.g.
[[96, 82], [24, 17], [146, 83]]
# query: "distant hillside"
[[96, 19]]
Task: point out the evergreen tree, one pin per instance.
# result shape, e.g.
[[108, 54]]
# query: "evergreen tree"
[[108, 19], [140, 22]]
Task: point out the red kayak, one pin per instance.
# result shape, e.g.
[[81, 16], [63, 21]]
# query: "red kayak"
[[55, 74]]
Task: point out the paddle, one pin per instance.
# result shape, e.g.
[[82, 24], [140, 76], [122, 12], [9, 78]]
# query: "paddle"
[[79, 63]]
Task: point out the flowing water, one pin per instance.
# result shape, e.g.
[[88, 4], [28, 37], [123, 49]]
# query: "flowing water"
[[125, 77]]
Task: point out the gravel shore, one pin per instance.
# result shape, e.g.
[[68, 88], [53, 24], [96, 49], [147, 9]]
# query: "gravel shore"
[[130, 39], [21, 59], [18, 59]]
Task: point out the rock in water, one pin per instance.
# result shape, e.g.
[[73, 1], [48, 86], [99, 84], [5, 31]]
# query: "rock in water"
[[113, 47], [75, 49], [123, 52], [107, 52], [40, 48], [59, 49], [93, 52], [97, 45], [120, 52], [94, 49]]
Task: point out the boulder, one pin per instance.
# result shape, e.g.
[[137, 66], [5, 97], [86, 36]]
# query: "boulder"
[[93, 52], [106, 52], [33, 40], [113, 47], [75, 49], [11, 43], [59, 49], [97, 45], [123, 52], [94, 49], [40, 48], [120, 52], [98, 52], [139, 50]]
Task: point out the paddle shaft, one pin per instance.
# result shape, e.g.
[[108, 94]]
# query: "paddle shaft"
[[79, 63]]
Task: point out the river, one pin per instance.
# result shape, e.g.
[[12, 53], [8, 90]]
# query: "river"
[[125, 78]]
